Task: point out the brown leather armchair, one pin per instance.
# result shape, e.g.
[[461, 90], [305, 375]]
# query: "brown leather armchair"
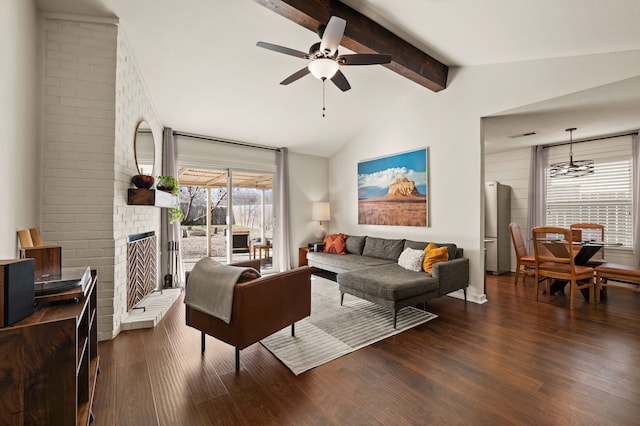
[[260, 308]]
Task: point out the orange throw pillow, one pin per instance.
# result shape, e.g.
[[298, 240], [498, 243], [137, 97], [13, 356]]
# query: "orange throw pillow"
[[434, 254], [430, 247], [334, 243]]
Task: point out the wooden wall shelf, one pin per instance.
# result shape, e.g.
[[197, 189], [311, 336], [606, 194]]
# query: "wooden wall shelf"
[[151, 197]]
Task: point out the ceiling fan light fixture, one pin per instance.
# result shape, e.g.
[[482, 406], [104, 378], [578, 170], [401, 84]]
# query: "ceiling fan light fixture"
[[323, 68]]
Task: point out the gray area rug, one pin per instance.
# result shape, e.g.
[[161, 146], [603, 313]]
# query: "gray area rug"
[[333, 330]]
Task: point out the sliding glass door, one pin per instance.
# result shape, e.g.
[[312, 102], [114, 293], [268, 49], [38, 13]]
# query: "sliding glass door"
[[251, 216], [228, 215]]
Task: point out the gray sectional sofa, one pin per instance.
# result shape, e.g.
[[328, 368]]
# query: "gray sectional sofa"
[[370, 270]]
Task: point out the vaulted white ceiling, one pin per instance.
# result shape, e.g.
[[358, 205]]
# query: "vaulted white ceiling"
[[205, 75]]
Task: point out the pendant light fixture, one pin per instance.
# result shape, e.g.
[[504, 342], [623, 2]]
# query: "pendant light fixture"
[[571, 168]]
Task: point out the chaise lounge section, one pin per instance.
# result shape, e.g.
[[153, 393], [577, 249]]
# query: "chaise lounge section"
[[370, 270]]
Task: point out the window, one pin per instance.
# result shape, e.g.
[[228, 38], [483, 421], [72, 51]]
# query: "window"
[[604, 197]]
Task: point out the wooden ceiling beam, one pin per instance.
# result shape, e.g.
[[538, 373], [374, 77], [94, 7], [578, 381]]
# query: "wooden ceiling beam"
[[363, 35]]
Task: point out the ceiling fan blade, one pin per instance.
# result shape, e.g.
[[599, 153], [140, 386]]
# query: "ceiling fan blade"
[[364, 59], [332, 35], [295, 76], [341, 81], [282, 49]]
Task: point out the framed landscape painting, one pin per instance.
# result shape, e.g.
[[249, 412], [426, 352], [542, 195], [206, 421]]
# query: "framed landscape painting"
[[393, 190]]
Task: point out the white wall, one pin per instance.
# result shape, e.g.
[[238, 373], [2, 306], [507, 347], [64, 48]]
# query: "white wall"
[[308, 181], [19, 118], [68, 162], [512, 168], [93, 97], [449, 123], [78, 87], [132, 104]]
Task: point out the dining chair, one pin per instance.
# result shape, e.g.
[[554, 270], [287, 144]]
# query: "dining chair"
[[525, 262], [553, 253], [591, 232]]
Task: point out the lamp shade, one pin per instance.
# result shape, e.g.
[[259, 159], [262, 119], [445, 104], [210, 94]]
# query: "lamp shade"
[[323, 68], [321, 211]]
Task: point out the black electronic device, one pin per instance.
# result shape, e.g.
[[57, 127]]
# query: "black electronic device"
[[69, 278], [17, 297]]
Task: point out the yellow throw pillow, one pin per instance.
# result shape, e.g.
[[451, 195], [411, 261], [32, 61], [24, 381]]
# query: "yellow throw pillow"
[[430, 247], [434, 254]]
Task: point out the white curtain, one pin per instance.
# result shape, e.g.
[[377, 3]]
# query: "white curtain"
[[537, 191], [171, 258], [281, 243], [635, 150]]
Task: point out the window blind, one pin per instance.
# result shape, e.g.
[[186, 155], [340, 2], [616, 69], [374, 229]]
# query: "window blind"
[[604, 197]]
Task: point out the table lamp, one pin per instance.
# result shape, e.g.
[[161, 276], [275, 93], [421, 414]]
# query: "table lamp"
[[321, 212]]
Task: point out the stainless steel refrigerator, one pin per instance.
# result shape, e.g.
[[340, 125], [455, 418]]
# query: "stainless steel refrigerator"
[[497, 240]]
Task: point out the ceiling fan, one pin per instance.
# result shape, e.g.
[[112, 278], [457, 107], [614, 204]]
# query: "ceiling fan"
[[324, 59]]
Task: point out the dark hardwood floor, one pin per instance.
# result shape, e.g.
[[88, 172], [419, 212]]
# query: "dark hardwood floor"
[[509, 361]]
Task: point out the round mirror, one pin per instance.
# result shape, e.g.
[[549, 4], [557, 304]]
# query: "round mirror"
[[144, 148]]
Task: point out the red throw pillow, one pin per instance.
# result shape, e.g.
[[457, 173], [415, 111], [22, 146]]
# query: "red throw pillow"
[[334, 243]]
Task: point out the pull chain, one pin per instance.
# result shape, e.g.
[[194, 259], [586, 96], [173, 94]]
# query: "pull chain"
[[323, 108]]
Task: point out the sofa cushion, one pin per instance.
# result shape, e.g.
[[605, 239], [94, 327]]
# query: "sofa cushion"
[[389, 282], [344, 263], [383, 248], [355, 244], [334, 243], [421, 245], [418, 245], [411, 259], [434, 254]]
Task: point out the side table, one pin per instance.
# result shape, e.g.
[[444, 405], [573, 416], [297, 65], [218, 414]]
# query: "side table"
[[302, 255], [260, 248]]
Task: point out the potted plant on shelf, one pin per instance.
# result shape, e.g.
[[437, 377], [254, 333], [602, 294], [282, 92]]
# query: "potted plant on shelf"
[[168, 184], [176, 214]]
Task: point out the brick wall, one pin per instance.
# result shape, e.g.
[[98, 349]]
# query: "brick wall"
[[132, 105], [93, 97]]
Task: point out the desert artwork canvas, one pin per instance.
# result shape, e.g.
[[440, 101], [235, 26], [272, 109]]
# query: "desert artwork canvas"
[[393, 190]]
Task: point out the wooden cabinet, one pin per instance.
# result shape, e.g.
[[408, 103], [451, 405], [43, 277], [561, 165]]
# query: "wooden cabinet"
[[48, 260], [50, 362]]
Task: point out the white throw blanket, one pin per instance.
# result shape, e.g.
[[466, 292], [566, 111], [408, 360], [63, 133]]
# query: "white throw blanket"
[[210, 288]]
